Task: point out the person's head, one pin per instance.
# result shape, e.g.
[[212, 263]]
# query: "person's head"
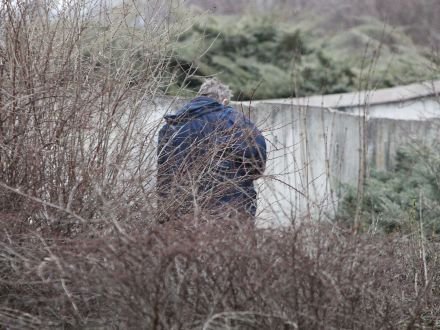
[[214, 89]]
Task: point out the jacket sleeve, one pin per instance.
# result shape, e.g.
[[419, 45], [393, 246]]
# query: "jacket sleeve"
[[254, 153], [248, 144], [257, 153]]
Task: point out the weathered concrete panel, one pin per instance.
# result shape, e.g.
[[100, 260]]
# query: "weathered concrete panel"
[[385, 136], [359, 99], [311, 151], [416, 109]]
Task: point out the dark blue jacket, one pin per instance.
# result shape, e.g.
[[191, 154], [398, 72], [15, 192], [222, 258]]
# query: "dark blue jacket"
[[209, 154]]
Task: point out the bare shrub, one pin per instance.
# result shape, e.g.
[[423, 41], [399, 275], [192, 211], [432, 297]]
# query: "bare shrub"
[[77, 148], [213, 276], [75, 79]]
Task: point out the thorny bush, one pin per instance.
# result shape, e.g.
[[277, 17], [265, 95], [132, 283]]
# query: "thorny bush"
[[75, 144], [217, 275], [75, 81]]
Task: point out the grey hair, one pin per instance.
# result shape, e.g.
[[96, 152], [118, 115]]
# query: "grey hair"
[[213, 88]]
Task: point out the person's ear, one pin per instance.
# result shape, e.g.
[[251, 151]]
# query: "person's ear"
[[225, 102]]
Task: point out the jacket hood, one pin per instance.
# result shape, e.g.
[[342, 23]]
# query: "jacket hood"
[[195, 108]]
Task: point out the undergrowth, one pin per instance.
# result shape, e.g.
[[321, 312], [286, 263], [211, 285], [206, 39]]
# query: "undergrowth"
[[216, 275]]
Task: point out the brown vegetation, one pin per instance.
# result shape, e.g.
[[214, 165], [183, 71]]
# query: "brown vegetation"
[[74, 82], [206, 276], [78, 247]]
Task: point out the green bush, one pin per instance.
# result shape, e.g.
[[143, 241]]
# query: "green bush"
[[394, 201], [258, 59], [261, 57]]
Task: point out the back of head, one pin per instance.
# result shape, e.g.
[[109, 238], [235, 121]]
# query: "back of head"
[[214, 89]]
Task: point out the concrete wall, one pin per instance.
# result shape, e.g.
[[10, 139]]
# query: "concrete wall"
[[385, 136], [416, 109], [311, 152]]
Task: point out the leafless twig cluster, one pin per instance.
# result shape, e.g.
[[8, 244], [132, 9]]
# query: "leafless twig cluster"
[[212, 276], [75, 78], [77, 154]]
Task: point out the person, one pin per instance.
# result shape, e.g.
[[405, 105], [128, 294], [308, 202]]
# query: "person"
[[209, 156]]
